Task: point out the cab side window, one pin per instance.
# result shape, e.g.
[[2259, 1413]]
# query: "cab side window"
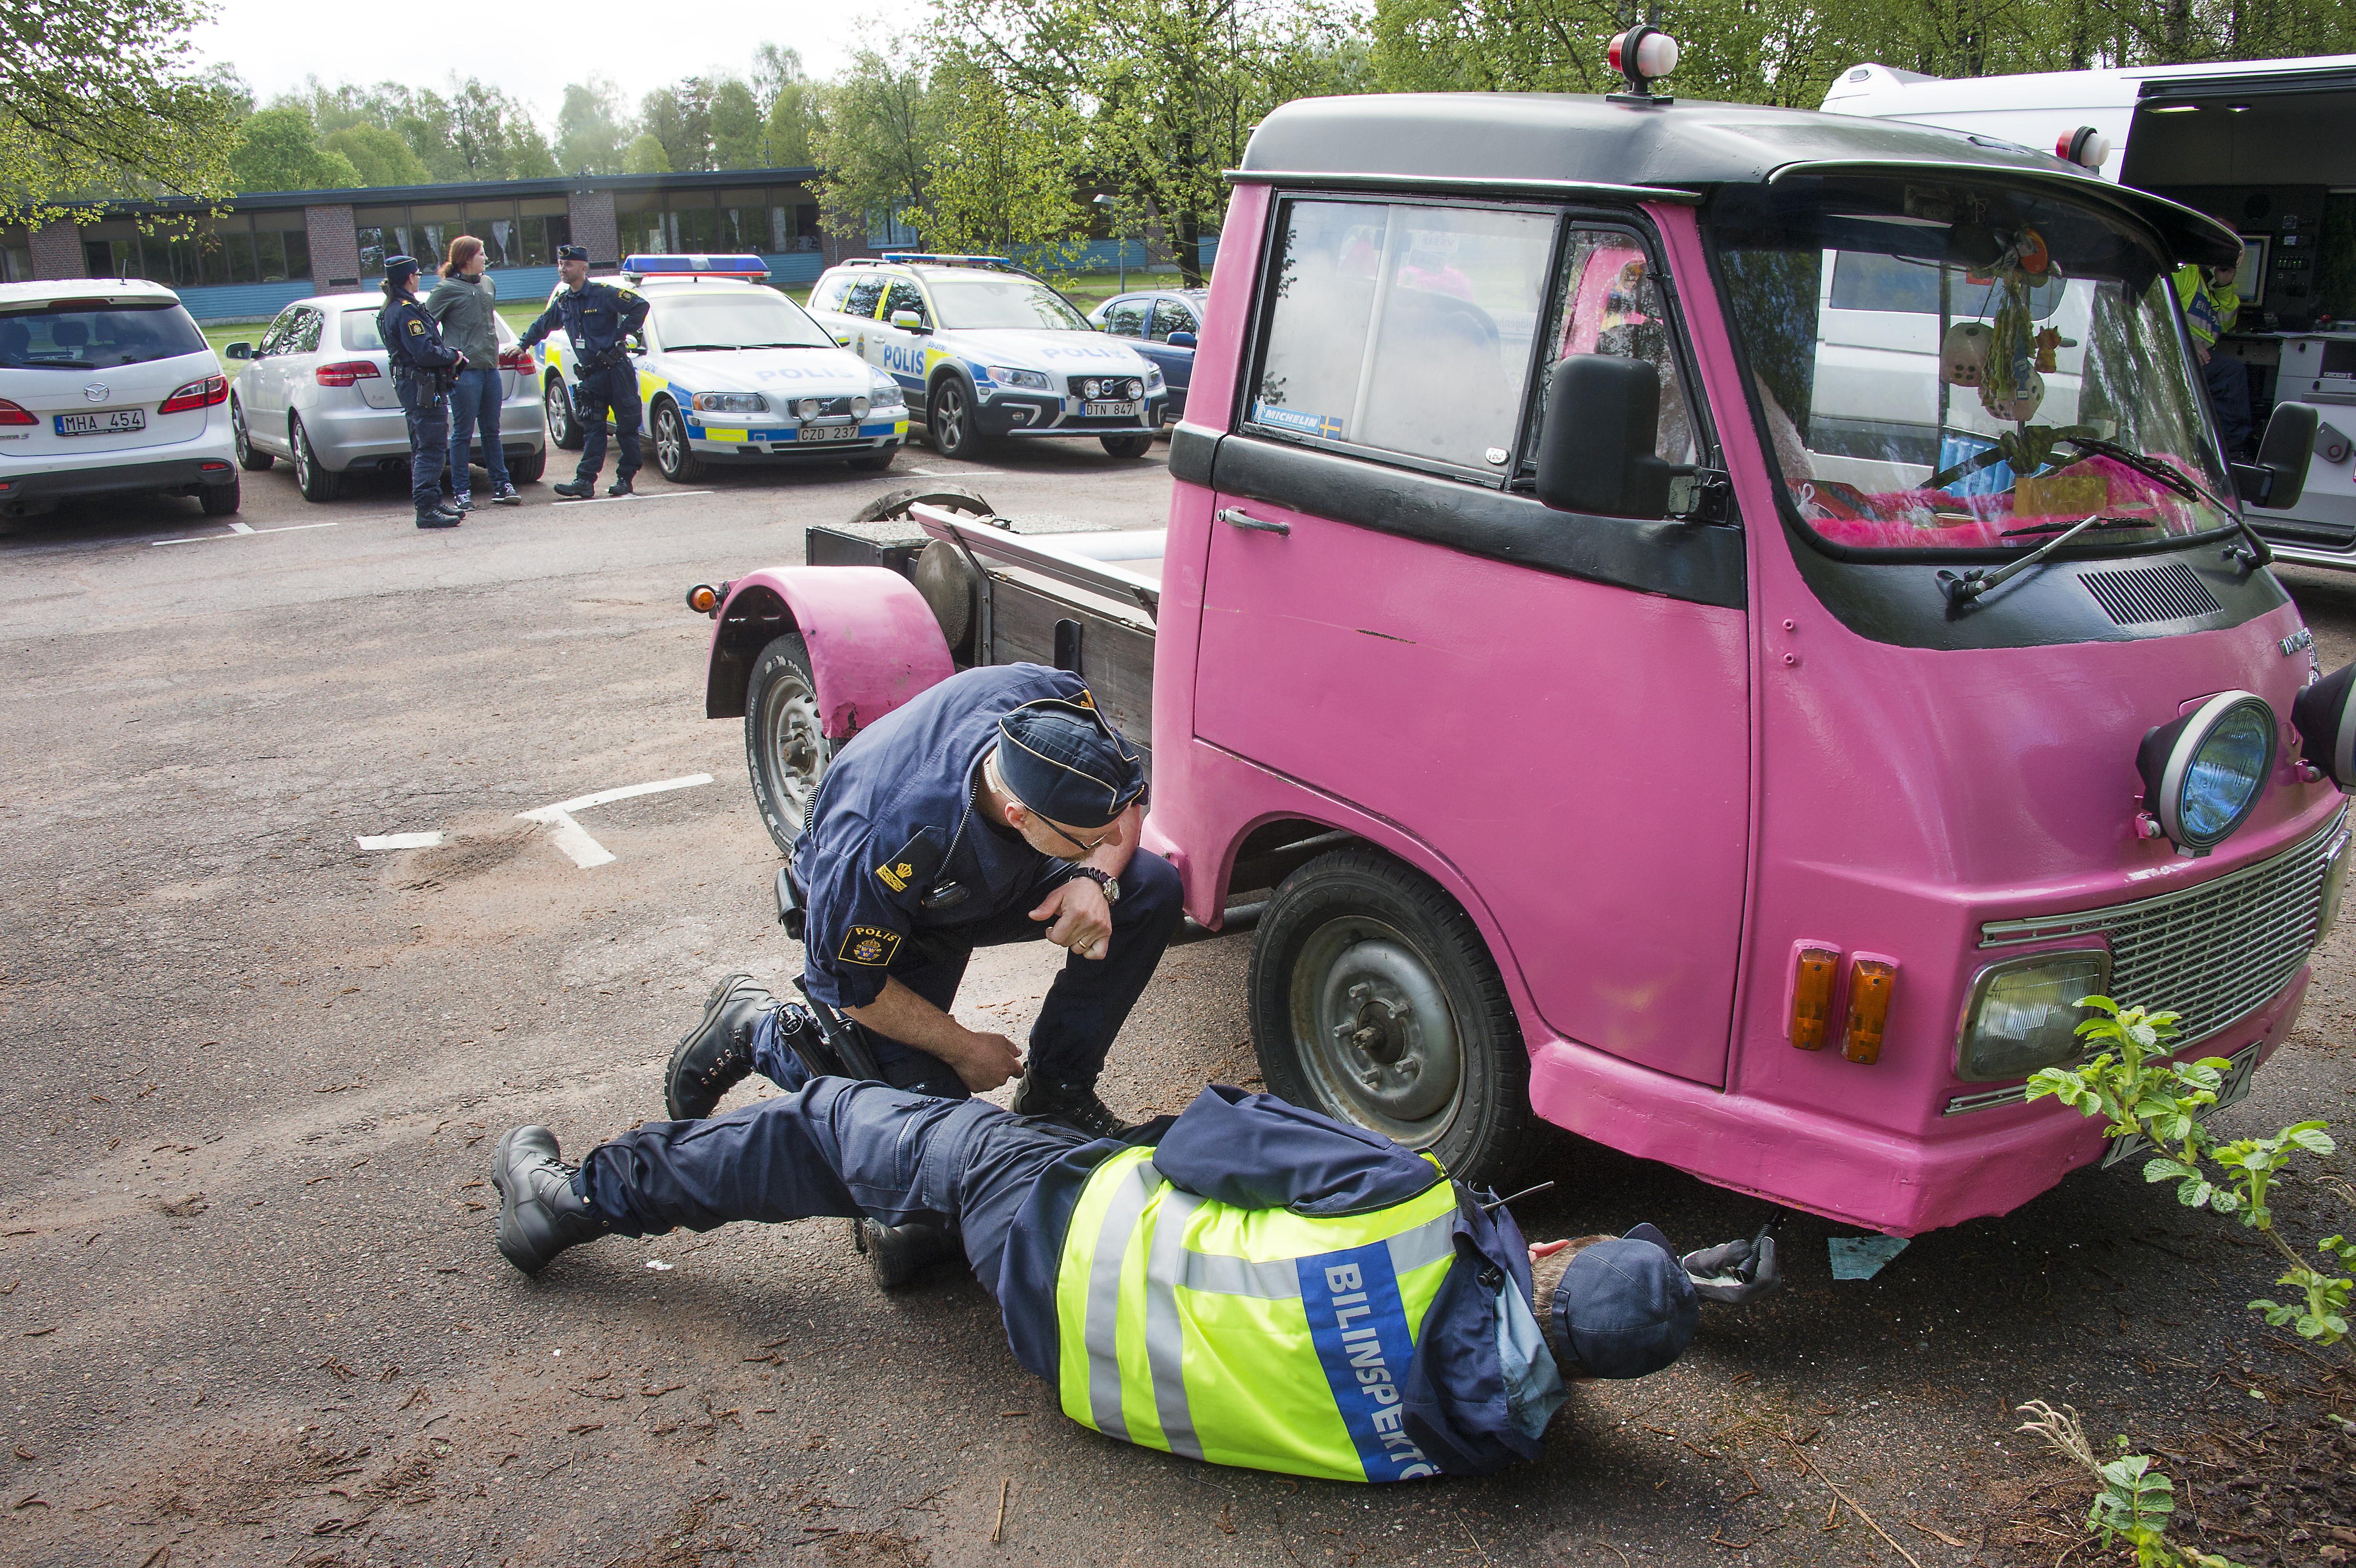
[[1608, 301], [1169, 316], [860, 300], [1403, 328], [906, 295], [1126, 318]]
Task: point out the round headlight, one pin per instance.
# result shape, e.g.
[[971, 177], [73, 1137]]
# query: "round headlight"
[[1132, 387], [1092, 388], [808, 408], [2202, 773], [2325, 716], [859, 408]]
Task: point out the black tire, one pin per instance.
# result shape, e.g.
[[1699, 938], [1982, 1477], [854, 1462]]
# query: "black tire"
[[1126, 445], [556, 402], [674, 459], [318, 484], [250, 457], [784, 750], [219, 500], [1363, 965], [874, 462], [949, 419], [527, 468], [893, 505]]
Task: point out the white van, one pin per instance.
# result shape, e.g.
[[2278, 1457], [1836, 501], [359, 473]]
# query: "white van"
[[107, 387]]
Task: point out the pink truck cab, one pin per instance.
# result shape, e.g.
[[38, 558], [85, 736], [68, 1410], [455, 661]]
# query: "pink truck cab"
[[1691, 650]]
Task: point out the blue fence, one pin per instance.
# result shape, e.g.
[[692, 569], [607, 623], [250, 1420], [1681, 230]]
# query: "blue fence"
[[260, 302]]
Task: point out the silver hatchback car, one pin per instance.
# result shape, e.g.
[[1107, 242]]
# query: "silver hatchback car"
[[317, 389]]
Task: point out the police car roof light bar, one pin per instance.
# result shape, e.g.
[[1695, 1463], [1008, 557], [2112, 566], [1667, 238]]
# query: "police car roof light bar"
[[943, 259], [744, 266]]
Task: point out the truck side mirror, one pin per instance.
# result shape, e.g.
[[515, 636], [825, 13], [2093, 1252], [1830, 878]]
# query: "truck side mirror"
[[1595, 447], [2276, 478], [909, 321]]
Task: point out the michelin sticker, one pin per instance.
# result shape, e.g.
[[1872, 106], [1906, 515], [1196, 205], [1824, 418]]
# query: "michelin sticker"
[[1294, 419]]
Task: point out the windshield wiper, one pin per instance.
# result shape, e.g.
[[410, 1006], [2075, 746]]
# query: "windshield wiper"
[[692, 348], [1962, 590], [53, 364], [2100, 523], [829, 344], [2184, 485]]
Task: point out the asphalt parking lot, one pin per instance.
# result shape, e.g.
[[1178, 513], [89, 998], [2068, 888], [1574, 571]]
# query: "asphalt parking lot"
[[249, 1309]]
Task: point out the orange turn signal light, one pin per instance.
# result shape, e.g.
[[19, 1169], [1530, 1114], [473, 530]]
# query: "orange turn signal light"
[[1871, 982], [1811, 996], [702, 598]]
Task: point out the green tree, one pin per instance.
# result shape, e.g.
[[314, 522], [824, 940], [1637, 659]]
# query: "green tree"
[[790, 132], [679, 117], [874, 141], [380, 156], [646, 156], [1000, 176], [96, 96], [593, 127], [278, 150], [735, 126]]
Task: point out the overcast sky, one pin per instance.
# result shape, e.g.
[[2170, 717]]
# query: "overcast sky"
[[528, 50]]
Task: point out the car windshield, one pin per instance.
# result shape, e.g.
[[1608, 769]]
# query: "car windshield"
[[978, 300], [82, 334], [1966, 366], [736, 320]]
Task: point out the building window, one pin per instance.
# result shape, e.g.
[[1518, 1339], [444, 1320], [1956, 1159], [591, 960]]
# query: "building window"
[[15, 256]]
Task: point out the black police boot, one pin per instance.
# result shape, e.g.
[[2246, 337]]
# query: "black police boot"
[[539, 1215], [897, 1254], [439, 517], [1073, 1103], [575, 489], [620, 487], [716, 1054]]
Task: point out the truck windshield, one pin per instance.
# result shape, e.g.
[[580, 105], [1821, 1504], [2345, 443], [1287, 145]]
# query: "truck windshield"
[[1966, 366]]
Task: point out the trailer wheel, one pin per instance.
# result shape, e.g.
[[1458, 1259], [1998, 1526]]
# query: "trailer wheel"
[[785, 750], [1373, 1001]]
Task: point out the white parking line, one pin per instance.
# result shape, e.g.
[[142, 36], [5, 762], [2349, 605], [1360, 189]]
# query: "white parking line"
[[239, 530], [399, 841], [634, 496], [574, 839], [953, 472]]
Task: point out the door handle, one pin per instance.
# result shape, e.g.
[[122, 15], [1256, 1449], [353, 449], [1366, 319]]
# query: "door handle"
[[1244, 519]]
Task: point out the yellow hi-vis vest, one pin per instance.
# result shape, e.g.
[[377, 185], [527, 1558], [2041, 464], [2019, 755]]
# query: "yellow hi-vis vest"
[[1252, 1337]]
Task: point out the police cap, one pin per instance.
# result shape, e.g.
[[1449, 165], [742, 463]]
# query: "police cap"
[[399, 269], [1625, 1307], [1063, 761], [573, 252]]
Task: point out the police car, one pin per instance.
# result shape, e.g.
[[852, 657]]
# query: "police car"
[[983, 348], [733, 372]]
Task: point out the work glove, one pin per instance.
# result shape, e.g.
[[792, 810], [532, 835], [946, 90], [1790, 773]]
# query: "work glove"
[[1735, 1272]]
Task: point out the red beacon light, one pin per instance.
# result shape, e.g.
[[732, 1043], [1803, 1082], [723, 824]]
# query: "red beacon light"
[[2085, 146], [1641, 54]]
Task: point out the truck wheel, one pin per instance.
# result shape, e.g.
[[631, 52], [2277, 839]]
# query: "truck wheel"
[[317, 483], [250, 458], [784, 750], [1373, 1001], [562, 428], [949, 417], [1126, 445], [673, 455]]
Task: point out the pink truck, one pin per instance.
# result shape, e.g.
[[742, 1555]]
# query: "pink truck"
[[1606, 725]]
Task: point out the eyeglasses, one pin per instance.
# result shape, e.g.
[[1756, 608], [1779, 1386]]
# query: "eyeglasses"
[[1084, 850]]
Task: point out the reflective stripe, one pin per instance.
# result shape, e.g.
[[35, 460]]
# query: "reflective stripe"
[[1427, 1244], [1103, 1334], [1215, 1273], [1165, 1335]]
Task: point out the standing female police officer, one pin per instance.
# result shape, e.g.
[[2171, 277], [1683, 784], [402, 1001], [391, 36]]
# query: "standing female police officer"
[[600, 319], [422, 366]]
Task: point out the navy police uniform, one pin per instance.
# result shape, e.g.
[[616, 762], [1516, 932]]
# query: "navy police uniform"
[[422, 366], [600, 319], [904, 876]]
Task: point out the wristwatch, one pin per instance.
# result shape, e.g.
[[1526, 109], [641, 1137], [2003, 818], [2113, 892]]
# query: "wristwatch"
[[1104, 880]]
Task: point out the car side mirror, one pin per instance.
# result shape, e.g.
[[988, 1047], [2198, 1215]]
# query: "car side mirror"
[[1595, 447], [238, 351], [2276, 479], [1180, 340], [909, 321]]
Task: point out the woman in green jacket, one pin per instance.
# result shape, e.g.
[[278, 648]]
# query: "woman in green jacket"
[[465, 304]]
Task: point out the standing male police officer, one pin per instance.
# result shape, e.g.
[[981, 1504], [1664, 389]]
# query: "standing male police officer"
[[997, 806], [422, 369], [600, 318]]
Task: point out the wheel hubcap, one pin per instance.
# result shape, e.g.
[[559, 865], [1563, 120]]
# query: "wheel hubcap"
[[797, 747], [302, 454], [1377, 1031], [237, 429], [560, 419], [952, 417], [669, 440]]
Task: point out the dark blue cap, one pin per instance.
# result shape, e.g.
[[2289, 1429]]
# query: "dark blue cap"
[[1625, 1307], [1063, 761], [396, 268], [573, 252]]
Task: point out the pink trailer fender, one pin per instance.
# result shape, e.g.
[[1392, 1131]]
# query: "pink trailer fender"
[[873, 643]]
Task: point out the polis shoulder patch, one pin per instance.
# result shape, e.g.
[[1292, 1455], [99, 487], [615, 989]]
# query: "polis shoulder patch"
[[418, 327], [914, 863], [869, 945]]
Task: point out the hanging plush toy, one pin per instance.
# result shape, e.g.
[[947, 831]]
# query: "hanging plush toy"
[[1963, 357], [2025, 396]]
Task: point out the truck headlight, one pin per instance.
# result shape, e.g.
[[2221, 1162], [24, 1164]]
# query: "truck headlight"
[[885, 393], [729, 403], [2204, 772], [2023, 1014], [1034, 379]]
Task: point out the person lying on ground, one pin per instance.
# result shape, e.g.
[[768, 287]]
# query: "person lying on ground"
[[1247, 1283]]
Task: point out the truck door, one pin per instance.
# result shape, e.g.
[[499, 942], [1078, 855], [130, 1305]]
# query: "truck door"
[[1555, 706]]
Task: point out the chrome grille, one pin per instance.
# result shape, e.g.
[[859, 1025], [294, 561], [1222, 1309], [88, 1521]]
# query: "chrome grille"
[[2214, 952], [2139, 594]]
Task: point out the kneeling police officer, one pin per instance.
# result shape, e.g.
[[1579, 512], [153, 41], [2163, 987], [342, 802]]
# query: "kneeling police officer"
[[600, 319], [424, 367]]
